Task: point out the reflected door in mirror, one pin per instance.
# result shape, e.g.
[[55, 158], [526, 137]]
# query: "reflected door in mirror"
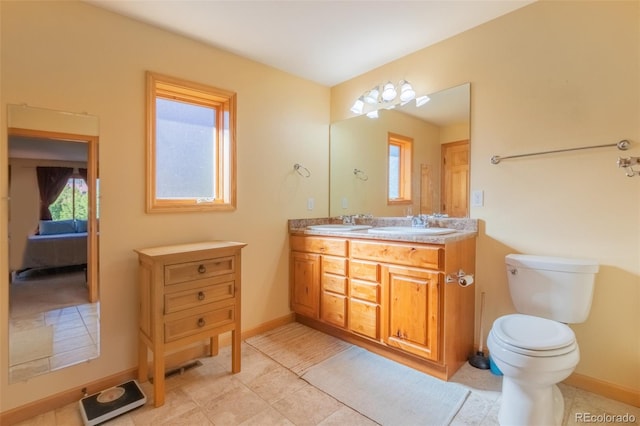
[[455, 179]]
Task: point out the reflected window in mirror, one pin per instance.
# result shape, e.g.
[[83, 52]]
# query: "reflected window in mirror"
[[400, 157], [190, 146]]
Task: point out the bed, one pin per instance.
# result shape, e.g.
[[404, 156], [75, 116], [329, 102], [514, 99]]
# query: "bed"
[[55, 246]]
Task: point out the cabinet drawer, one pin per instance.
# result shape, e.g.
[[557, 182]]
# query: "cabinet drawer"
[[206, 268], [365, 290], [369, 271], [198, 296], [334, 246], [364, 318], [198, 323], [334, 283], [334, 265], [333, 309], [423, 256]]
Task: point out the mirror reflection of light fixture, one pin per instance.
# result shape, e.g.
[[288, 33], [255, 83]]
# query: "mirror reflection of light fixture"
[[373, 114], [358, 106], [421, 100]]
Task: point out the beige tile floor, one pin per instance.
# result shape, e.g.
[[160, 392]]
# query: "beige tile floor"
[[75, 338], [266, 393]]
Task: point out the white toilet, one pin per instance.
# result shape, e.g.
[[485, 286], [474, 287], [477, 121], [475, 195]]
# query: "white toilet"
[[534, 349]]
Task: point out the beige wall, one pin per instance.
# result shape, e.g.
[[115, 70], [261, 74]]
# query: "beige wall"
[[74, 57], [551, 75]]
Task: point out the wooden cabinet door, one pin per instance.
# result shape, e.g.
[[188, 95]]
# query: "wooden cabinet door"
[[412, 316], [305, 279]]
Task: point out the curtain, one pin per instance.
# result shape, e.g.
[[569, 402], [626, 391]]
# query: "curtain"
[[83, 174], [51, 182]]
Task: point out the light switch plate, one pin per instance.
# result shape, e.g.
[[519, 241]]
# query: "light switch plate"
[[477, 198]]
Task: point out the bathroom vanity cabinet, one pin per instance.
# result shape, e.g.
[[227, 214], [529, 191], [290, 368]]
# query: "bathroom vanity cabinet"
[[188, 293], [388, 296]]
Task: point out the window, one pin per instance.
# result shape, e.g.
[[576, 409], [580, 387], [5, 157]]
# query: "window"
[[190, 146], [73, 201], [399, 169]]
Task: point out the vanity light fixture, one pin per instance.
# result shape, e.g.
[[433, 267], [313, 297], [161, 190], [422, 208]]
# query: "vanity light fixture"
[[389, 92], [384, 96], [372, 96], [358, 106], [406, 91]]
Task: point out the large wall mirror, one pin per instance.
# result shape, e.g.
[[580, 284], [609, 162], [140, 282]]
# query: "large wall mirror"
[[53, 240], [358, 158]]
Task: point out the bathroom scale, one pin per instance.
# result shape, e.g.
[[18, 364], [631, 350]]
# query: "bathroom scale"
[[112, 402]]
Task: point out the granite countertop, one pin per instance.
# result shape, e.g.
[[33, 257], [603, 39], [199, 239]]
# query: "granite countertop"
[[465, 228]]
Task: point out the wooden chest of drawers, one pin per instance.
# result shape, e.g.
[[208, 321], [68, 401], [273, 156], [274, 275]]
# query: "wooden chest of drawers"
[[188, 293]]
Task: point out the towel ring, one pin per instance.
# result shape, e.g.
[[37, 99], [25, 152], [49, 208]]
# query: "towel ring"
[[301, 170], [360, 174]]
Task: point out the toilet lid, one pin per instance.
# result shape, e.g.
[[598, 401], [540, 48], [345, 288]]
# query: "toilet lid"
[[534, 336]]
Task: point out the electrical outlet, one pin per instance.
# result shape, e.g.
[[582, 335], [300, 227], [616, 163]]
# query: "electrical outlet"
[[310, 203], [345, 203], [477, 198]]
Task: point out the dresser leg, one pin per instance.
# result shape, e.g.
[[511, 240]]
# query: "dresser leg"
[[143, 363], [213, 346], [158, 379], [235, 351]]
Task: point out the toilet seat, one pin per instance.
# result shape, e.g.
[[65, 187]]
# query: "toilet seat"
[[533, 336]]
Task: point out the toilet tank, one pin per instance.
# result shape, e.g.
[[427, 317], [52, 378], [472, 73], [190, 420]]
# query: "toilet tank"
[[556, 288]]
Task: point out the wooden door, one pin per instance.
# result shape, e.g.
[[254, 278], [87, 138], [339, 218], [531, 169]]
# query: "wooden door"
[[428, 203], [305, 279], [412, 317], [455, 179]]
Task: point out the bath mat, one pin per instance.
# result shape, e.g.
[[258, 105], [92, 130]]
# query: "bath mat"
[[30, 345], [385, 391], [297, 347]]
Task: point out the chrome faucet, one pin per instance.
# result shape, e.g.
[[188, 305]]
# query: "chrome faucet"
[[349, 220], [420, 221]]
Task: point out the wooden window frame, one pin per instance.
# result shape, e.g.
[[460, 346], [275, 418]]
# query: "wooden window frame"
[[405, 144], [224, 101]]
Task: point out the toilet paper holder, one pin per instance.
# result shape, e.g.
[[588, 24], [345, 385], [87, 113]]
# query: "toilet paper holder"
[[461, 277]]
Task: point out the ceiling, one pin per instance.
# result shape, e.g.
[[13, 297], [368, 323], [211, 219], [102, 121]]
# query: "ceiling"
[[325, 41]]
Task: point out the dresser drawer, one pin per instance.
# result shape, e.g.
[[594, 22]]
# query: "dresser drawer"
[[334, 246], [422, 256], [364, 290], [178, 328], [334, 265], [186, 299], [369, 271], [181, 272]]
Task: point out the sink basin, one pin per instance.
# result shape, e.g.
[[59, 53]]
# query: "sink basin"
[[411, 230], [338, 227]]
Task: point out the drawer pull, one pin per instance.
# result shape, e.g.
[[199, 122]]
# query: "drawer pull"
[[200, 295], [202, 269], [201, 322]]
